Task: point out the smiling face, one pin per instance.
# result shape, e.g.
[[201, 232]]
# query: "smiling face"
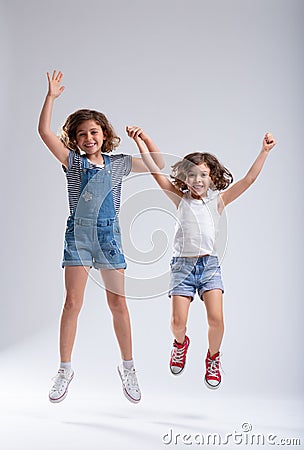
[[198, 180], [90, 137]]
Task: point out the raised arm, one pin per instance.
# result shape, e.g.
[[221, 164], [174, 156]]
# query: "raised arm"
[[242, 185], [151, 157], [50, 139], [137, 163]]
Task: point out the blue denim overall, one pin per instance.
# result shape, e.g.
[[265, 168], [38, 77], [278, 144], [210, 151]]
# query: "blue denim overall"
[[92, 236]]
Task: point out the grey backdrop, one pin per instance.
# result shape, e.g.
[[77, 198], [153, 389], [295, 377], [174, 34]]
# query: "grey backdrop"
[[197, 76]]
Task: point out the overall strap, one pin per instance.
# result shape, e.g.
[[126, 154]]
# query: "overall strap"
[[107, 161], [84, 162]]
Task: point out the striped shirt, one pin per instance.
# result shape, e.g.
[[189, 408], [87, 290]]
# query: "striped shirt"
[[120, 164]]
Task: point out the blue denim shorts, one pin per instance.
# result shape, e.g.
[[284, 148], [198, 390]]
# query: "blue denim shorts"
[[189, 275], [90, 244]]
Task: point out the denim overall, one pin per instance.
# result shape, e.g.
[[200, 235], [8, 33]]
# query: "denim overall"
[[92, 236]]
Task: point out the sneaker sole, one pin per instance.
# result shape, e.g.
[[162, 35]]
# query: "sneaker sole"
[[60, 399], [213, 388], [131, 399]]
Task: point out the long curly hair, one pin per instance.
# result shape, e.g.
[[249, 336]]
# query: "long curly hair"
[[69, 128], [221, 177]]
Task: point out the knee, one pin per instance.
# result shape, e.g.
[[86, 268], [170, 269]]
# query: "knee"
[[177, 323], [73, 303], [216, 322], [117, 304]]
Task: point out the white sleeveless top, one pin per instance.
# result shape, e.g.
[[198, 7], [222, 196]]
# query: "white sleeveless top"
[[197, 225]]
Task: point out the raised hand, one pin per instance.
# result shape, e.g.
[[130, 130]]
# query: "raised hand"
[[268, 142], [59, 150], [55, 88], [136, 133]]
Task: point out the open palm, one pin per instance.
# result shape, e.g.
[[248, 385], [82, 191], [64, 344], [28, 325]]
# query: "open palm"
[[55, 88]]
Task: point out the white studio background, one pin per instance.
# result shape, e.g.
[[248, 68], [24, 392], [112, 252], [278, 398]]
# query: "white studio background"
[[197, 76]]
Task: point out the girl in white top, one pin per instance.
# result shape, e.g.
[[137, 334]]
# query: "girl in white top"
[[199, 192]]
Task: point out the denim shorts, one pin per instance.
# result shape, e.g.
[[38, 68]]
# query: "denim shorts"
[[89, 244], [189, 275]]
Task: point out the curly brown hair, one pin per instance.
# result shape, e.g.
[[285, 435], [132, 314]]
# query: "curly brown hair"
[[69, 128], [221, 177]]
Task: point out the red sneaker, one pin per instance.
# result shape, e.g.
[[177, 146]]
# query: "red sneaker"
[[213, 374], [178, 356]]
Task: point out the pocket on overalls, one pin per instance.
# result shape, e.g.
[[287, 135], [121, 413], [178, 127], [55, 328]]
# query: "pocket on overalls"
[[98, 177], [69, 230], [107, 240], [117, 235]]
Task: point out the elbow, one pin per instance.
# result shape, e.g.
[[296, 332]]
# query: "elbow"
[[250, 180], [161, 163], [41, 131], [44, 134]]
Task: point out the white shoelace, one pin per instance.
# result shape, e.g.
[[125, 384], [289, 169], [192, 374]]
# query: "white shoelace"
[[130, 378], [215, 365], [178, 354], [60, 381]]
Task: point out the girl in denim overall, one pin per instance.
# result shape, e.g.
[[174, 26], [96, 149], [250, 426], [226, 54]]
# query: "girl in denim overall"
[[199, 192], [92, 237]]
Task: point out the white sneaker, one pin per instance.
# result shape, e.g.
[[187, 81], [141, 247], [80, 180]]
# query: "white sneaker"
[[129, 383], [59, 390]]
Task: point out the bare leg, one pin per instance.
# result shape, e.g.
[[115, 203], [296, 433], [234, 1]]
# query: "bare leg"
[[75, 282], [180, 309], [214, 305], [114, 284]]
